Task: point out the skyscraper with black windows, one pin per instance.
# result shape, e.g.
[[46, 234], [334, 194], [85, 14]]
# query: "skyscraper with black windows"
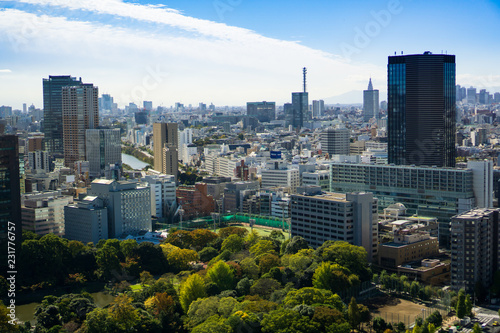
[[421, 109]]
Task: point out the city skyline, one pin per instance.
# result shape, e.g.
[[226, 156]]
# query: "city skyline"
[[232, 52]]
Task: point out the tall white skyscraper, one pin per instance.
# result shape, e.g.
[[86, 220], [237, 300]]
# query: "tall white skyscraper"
[[370, 103], [318, 108]]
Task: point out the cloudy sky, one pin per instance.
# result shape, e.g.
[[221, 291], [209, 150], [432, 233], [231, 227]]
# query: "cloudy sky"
[[228, 52]]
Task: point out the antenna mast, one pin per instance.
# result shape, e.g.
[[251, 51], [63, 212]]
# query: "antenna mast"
[[304, 71]]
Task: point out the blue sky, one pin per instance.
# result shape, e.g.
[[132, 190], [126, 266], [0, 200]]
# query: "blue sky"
[[232, 51]]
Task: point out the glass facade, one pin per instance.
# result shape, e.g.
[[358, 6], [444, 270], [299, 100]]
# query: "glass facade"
[[433, 192], [421, 110], [52, 111]]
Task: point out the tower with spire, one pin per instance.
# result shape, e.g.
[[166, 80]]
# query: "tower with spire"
[[370, 103], [298, 112]]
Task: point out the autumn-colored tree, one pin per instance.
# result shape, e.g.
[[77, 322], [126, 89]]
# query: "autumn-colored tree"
[[122, 311], [179, 259], [146, 278], [226, 232], [268, 261], [201, 237], [190, 290]]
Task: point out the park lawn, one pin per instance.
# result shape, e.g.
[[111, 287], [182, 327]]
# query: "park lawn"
[[262, 231], [137, 287]]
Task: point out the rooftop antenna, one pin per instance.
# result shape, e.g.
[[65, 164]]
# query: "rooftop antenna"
[[304, 71]]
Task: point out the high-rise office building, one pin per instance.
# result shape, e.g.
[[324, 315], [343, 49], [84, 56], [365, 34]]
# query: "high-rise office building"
[[421, 110], [53, 111], [147, 105], [335, 141], [475, 254], [263, 111], [103, 148], [370, 103], [471, 95], [318, 108], [297, 112], [10, 194], [106, 102], [165, 147], [80, 112]]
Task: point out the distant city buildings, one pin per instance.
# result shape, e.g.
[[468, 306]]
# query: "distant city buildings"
[[263, 111], [421, 110], [370, 103], [318, 108]]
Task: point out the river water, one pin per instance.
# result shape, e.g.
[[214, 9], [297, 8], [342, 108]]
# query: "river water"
[[26, 312], [133, 162]]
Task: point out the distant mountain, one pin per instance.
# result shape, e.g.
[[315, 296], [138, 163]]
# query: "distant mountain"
[[350, 97]]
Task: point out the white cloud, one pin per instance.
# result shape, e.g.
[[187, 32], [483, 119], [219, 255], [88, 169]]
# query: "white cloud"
[[5, 71], [212, 60]]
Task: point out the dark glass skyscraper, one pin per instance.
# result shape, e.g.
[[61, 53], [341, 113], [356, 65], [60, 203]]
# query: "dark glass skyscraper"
[[421, 109], [52, 111], [10, 194]]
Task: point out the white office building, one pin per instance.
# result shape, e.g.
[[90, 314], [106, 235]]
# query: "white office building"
[[351, 217], [277, 174], [128, 204], [162, 189]]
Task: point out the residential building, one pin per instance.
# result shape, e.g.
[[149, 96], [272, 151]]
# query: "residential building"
[[370, 103], [128, 204], [80, 111], [53, 111], [165, 147], [103, 148], [421, 110], [350, 217], [318, 108], [86, 220], [43, 213], [39, 161], [475, 254]]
